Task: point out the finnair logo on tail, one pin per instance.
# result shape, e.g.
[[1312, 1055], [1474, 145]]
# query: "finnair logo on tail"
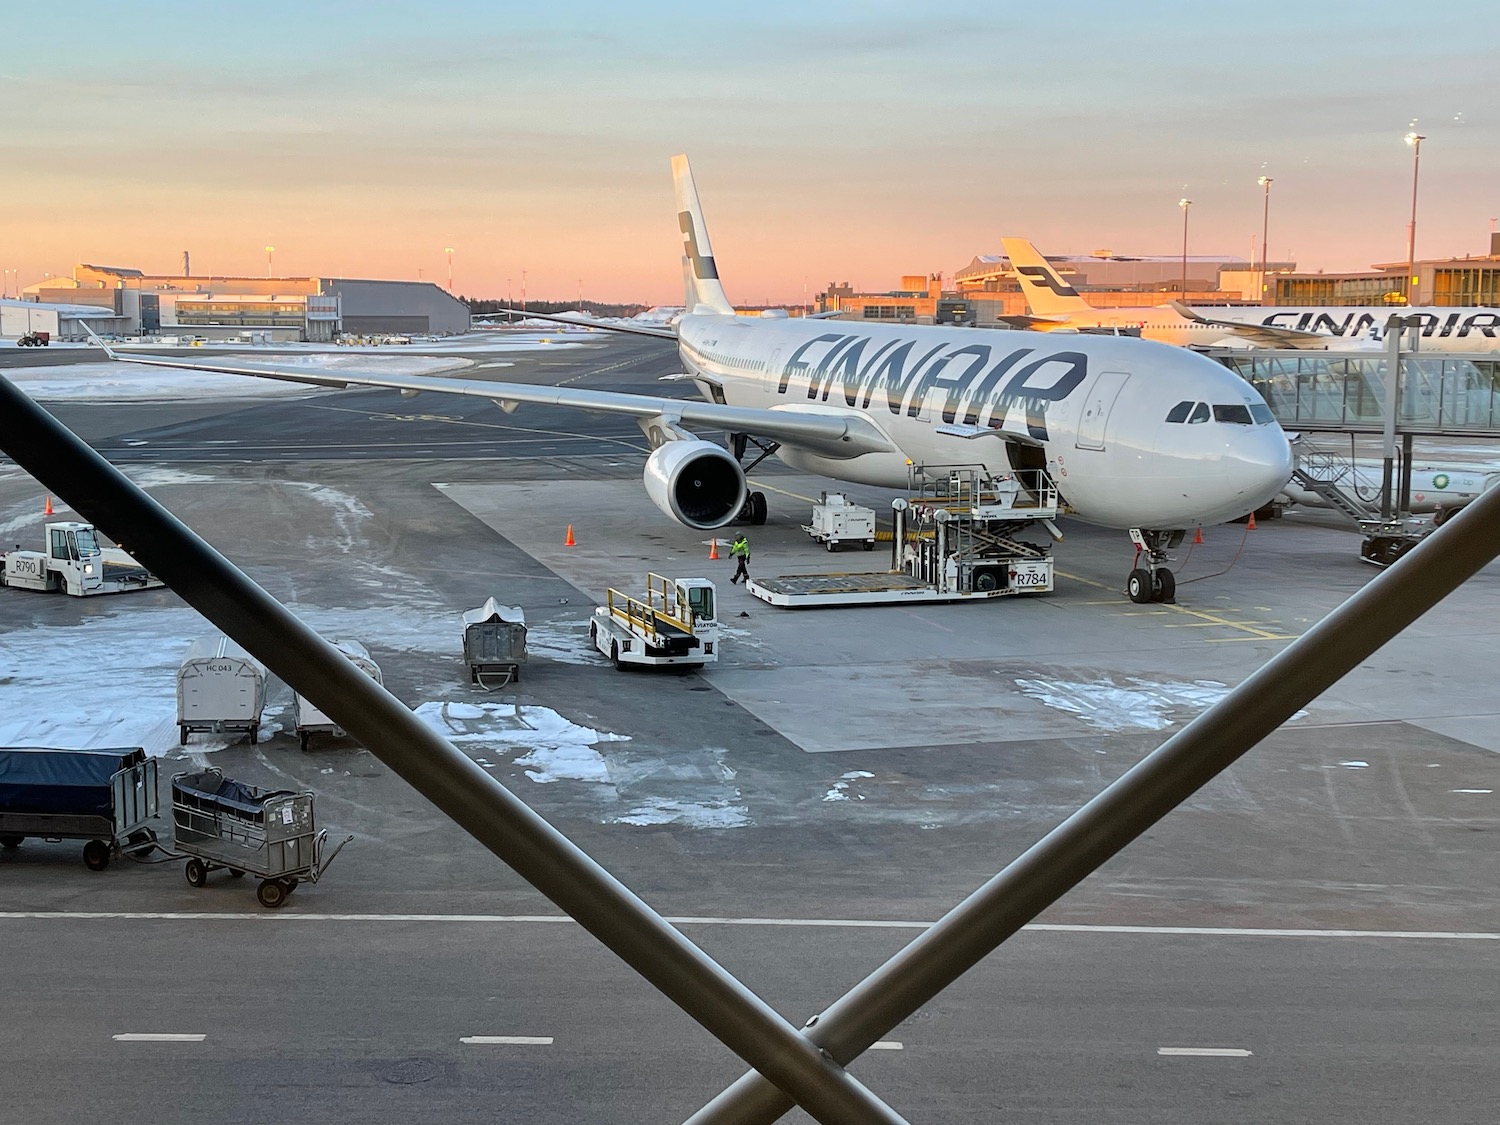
[[1043, 276], [703, 264]]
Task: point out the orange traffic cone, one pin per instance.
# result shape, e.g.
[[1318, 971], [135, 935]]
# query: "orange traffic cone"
[[1251, 525], [1198, 538], [47, 511], [713, 549], [569, 542]]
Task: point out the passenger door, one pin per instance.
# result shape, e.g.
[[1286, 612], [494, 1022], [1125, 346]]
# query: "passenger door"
[[1097, 405]]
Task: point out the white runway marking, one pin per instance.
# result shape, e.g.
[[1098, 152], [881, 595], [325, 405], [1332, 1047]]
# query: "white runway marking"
[[1205, 1052], [507, 1040], [887, 1045], [770, 923], [156, 1037]]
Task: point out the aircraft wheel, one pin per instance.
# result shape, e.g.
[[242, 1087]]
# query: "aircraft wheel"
[[758, 508], [1138, 586], [1165, 587]]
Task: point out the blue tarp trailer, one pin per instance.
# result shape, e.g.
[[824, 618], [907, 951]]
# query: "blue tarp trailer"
[[104, 797]]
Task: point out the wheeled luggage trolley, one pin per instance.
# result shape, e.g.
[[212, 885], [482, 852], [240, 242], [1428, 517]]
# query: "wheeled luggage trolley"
[[103, 797], [225, 824]]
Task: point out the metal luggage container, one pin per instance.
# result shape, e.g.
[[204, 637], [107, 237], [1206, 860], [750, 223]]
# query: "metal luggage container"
[[103, 797], [494, 642], [220, 687], [312, 721], [223, 824]]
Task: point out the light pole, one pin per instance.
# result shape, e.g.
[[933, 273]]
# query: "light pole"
[[1265, 230], [1184, 204], [1414, 139], [523, 290], [449, 251], [269, 251]]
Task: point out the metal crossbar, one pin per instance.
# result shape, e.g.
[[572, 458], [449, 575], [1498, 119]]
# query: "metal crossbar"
[[1137, 800], [478, 803], [807, 1068]]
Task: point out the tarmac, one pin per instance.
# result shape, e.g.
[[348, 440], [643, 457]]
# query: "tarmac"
[[1310, 937]]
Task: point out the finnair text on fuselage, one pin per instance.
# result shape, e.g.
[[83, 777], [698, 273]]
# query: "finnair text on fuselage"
[[909, 376], [1436, 323]]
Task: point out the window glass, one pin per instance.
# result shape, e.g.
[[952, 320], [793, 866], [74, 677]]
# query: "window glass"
[[1179, 412], [86, 542], [1261, 413], [1200, 413], [1237, 413]]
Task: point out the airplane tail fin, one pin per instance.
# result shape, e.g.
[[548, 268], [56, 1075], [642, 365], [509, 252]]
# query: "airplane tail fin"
[[1046, 292], [704, 293]]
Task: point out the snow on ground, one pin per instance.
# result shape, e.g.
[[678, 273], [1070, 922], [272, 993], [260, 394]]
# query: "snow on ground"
[[129, 382], [1137, 704], [840, 790], [556, 748]]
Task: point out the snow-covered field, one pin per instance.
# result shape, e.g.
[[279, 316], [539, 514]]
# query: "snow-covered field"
[[129, 382]]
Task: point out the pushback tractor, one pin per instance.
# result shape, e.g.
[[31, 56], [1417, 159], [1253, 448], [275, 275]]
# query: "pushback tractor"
[[74, 563]]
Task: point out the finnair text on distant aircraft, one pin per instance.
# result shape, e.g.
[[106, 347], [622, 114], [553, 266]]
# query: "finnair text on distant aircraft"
[[1455, 324]]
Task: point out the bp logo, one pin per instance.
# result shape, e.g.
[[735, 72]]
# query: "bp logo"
[[1440, 481]]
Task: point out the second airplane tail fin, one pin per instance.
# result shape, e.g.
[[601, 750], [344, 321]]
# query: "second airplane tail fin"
[[704, 292], [1046, 292]]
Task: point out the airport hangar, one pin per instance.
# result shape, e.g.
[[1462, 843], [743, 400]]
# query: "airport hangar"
[[272, 309]]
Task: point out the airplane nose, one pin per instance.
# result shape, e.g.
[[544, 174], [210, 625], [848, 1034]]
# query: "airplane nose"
[[1266, 466]]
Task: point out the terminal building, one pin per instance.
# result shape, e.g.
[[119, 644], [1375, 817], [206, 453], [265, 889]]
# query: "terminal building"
[[272, 309]]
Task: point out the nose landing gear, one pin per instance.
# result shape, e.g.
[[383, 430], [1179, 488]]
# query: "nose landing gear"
[[1153, 582]]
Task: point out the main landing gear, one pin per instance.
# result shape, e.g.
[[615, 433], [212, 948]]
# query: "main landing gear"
[[1153, 582], [754, 510]]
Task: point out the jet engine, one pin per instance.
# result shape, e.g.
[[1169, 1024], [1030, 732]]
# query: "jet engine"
[[697, 483]]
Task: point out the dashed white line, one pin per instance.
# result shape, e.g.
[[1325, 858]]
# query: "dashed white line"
[[1205, 1052], [156, 1037], [887, 1045], [280, 918], [507, 1040]]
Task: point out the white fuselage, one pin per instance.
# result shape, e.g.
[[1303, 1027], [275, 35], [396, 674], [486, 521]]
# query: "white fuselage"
[[1092, 410], [1443, 329]]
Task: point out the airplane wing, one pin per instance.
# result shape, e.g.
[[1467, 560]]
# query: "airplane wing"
[[1262, 335], [660, 333], [1023, 320], [830, 432]]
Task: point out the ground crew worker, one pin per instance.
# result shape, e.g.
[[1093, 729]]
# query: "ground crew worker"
[[739, 550]]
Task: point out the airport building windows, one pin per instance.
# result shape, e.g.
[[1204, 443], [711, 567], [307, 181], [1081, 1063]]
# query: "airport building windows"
[[1468, 287], [890, 312]]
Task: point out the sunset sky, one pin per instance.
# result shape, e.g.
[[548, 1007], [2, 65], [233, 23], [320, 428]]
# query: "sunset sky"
[[836, 141]]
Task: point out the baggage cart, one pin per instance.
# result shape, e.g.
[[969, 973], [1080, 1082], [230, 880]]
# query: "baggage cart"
[[104, 797], [310, 720], [494, 642], [220, 687], [223, 824]]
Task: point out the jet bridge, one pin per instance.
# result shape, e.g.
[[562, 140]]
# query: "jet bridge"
[[1394, 393]]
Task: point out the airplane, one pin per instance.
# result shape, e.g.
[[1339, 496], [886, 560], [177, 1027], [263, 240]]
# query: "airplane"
[[1135, 435], [1056, 304]]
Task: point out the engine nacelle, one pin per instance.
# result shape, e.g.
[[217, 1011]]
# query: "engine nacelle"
[[697, 483]]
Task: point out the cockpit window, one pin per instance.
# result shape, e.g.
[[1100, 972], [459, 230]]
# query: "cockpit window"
[[1261, 413], [1179, 412], [1200, 413], [1237, 413]]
